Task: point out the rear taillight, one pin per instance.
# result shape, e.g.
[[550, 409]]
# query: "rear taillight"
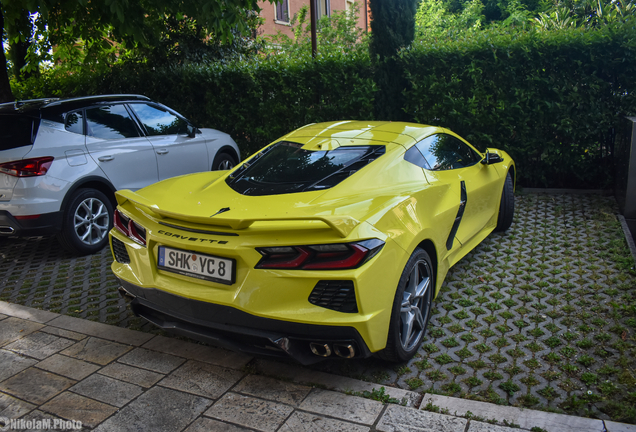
[[338, 256], [129, 228], [27, 167]]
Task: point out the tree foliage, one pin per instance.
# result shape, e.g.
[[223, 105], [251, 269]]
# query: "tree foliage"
[[95, 33], [451, 18], [336, 34], [392, 26], [392, 29]]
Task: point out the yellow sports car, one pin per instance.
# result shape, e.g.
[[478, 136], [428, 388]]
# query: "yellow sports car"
[[331, 241]]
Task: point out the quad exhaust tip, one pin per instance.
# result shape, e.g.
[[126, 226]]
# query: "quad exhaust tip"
[[6, 230], [324, 350]]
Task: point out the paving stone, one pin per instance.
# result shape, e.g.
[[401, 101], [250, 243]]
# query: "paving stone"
[[12, 329], [352, 408], [39, 345], [619, 427], [72, 406], [96, 350], [305, 422], [3, 316], [27, 313], [401, 419], [155, 361], [108, 390], [272, 389], [103, 331], [247, 411], [330, 381], [525, 418], [63, 333], [35, 385], [157, 410], [13, 363], [68, 367], [202, 379], [203, 353], [141, 377], [476, 426], [11, 407], [204, 424]]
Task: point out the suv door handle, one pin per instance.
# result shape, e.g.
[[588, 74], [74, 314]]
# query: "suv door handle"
[[105, 158], [162, 151]]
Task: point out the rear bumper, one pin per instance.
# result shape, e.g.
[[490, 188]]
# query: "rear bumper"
[[44, 224], [237, 330]]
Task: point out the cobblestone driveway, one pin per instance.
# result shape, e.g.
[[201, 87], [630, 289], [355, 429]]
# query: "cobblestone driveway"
[[542, 316]]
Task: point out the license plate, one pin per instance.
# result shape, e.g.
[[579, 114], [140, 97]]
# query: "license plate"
[[196, 265]]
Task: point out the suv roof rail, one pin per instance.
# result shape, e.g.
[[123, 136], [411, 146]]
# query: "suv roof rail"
[[98, 98]]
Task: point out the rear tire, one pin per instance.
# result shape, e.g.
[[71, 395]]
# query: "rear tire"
[[411, 308], [507, 206], [223, 161], [87, 220]]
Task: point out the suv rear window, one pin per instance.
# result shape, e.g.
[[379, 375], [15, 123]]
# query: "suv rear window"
[[17, 131], [287, 168]]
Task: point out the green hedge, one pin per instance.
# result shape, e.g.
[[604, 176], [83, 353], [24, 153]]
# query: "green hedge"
[[550, 99], [255, 101]]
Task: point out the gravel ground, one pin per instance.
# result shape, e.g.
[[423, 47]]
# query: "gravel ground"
[[542, 316]]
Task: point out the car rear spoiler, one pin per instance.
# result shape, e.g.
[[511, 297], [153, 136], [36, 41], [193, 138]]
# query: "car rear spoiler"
[[343, 225]]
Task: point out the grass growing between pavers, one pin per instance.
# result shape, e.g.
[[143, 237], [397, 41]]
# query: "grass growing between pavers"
[[543, 316]]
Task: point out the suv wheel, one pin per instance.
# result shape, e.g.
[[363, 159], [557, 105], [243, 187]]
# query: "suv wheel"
[[87, 220], [223, 161]]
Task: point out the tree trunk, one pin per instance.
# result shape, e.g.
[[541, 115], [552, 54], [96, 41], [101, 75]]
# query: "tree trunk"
[[19, 32], [5, 89]]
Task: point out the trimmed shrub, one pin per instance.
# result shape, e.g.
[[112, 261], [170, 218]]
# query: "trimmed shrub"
[[255, 101], [551, 99]]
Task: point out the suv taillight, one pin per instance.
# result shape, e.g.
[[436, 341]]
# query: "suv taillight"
[[27, 167], [337, 256], [129, 228]]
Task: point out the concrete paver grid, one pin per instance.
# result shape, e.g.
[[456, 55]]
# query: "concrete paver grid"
[[36, 272], [526, 318]]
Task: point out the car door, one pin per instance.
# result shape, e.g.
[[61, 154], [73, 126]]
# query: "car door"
[[177, 152], [454, 162], [116, 144]]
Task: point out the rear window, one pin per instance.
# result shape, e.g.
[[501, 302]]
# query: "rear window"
[[17, 131], [287, 168]]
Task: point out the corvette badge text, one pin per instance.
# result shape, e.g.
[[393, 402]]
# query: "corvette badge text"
[[193, 239], [41, 424]]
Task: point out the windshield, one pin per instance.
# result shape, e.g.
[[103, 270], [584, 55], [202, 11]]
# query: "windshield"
[[286, 168]]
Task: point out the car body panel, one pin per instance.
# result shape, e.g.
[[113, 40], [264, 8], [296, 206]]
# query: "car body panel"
[[390, 199], [129, 163]]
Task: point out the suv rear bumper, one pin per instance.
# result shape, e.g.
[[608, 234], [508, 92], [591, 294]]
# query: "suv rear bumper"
[[44, 224]]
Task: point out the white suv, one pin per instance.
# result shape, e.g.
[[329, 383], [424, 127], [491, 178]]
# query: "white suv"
[[62, 159]]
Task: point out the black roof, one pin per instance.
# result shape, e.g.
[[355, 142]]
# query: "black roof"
[[53, 106]]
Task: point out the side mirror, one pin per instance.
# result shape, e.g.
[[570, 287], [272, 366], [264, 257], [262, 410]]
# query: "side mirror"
[[491, 158], [191, 131]]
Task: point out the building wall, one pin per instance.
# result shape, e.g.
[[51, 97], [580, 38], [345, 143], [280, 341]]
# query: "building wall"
[[272, 27]]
